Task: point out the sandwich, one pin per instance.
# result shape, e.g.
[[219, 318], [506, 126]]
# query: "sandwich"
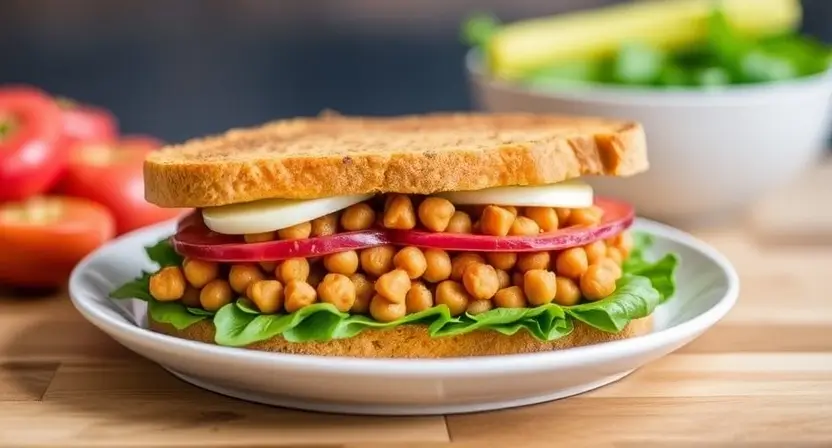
[[429, 236]]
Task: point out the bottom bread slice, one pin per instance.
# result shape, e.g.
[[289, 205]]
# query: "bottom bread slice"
[[413, 341]]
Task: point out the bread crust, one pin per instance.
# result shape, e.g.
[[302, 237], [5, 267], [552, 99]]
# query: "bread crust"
[[333, 155], [413, 341]]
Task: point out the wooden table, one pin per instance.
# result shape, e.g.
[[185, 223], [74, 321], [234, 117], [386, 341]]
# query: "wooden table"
[[764, 374]]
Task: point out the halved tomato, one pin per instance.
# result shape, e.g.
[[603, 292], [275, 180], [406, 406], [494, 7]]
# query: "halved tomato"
[[43, 238], [111, 174], [194, 239]]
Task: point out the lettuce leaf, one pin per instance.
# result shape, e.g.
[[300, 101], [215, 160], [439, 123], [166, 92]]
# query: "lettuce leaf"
[[644, 286], [138, 288]]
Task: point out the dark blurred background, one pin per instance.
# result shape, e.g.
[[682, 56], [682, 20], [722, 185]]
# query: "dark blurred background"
[[182, 68]]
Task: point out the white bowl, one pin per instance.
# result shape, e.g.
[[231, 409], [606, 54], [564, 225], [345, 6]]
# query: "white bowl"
[[707, 289], [711, 152]]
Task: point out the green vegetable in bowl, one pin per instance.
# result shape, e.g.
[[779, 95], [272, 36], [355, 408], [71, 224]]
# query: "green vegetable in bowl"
[[726, 48]]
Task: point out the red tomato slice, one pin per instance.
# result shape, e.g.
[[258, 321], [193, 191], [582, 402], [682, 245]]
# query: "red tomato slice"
[[31, 158], [618, 216], [194, 239], [44, 237], [86, 124], [111, 174]]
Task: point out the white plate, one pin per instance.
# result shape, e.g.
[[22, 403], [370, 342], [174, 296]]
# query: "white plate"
[[707, 289]]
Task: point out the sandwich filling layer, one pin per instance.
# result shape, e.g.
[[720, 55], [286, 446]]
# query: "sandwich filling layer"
[[401, 259]]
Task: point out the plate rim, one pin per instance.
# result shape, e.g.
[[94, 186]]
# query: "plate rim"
[[441, 367]]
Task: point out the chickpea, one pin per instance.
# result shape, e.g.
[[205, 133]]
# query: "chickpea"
[[268, 266], [393, 285], [589, 216], [438, 265], [412, 261], [399, 214], [215, 295], [298, 294], [504, 279], [342, 262], [435, 213], [454, 295], [242, 275], [191, 297], [501, 260], [338, 290], [259, 237], [624, 242], [460, 223], [595, 251], [481, 281], [296, 232], [496, 221], [523, 226], [567, 292], [267, 295], [614, 254], [198, 272], [511, 297], [597, 282], [384, 310], [292, 269], [563, 216], [325, 225], [168, 284], [358, 217], [419, 298], [610, 264], [479, 307], [572, 262], [378, 260], [364, 291], [517, 279], [545, 217], [539, 286], [532, 260], [511, 209], [461, 262]]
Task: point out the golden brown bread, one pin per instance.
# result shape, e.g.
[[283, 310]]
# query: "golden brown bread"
[[334, 155], [412, 341]]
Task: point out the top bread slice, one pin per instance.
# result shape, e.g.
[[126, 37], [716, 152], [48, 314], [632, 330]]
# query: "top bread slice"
[[334, 155]]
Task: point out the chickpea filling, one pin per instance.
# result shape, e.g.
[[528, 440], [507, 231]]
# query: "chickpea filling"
[[388, 282]]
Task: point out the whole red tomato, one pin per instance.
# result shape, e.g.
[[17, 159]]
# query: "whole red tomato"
[[111, 174], [85, 123], [31, 158]]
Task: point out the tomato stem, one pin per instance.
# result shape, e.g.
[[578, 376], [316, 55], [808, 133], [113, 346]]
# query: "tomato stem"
[[7, 126]]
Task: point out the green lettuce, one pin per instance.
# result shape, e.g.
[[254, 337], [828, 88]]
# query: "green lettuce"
[[643, 287]]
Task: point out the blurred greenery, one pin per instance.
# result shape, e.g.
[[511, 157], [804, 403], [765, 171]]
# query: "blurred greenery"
[[724, 58]]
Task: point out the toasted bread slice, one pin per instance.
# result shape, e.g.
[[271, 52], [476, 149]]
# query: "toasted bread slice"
[[334, 155], [413, 341]]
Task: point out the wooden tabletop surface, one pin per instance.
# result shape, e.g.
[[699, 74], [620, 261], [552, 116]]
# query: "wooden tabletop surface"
[[762, 375]]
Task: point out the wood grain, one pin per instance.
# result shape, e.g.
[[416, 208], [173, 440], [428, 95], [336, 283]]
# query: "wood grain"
[[761, 377]]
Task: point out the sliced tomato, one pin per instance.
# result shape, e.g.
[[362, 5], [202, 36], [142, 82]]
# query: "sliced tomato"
[[194, 239], [111, 174], [43, 238], [618, 216], [83, 123], [31, 158]]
